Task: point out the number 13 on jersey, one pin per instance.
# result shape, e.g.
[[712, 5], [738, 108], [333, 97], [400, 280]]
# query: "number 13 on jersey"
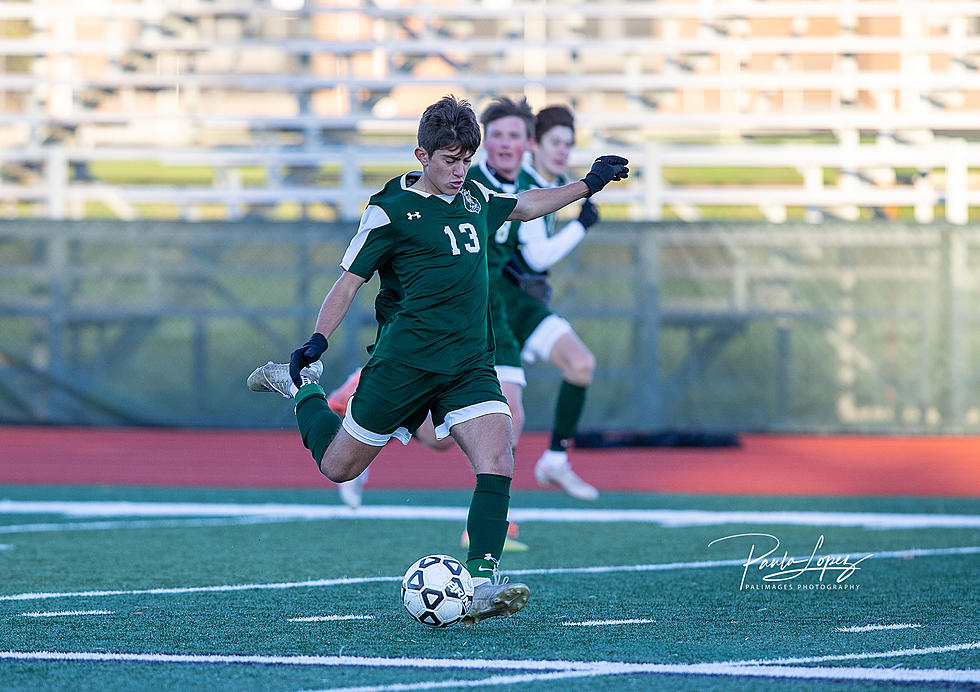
[[472, 245]]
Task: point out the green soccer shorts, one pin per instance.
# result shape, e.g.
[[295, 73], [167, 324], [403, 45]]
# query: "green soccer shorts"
[[535, 326], [392, 400], [507, 356]]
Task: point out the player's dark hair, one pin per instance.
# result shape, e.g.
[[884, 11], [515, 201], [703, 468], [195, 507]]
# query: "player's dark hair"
[[449, 123], [553, 116], [503, 107]]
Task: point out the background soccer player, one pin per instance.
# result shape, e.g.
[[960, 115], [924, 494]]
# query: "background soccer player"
[[426, 235], [508, 127], [542, 334]]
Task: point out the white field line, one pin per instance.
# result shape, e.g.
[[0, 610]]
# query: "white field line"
[[138, 524], [330, 618], [875, 628], [347, 581], [894, 653], [776, 668], [64, 613], [600, 623], [312, 583], [922, 675], [665, 517]]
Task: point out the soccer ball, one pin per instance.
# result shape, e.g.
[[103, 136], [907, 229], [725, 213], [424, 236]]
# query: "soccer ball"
[[437, 590]]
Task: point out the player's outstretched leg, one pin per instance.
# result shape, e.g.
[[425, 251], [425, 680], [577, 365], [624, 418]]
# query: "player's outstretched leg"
[[318, 424], [351, 492]]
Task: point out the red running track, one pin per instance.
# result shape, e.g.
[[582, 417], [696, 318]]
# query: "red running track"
[[763, 465]]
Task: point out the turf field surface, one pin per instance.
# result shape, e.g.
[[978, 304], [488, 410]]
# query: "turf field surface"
[[124, 587]]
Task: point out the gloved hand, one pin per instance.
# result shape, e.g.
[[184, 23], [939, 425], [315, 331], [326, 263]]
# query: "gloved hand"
[[604, 170], [309, 352], [589, 214]]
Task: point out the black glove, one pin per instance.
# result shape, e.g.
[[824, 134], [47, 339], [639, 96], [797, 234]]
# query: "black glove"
[[604, 170], [589, 214], [309, 352]]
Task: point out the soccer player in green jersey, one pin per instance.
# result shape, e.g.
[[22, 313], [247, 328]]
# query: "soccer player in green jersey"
[[508, 130], [542, 334], [426, 234]]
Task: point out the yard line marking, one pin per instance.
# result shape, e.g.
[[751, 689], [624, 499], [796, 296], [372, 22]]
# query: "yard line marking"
[[347, 581], [665, 517], [330, 618], [545, 670], [596, 623], [873, 628], [64, 613]]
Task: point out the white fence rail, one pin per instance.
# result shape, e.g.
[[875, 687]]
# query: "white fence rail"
[[864, 177]]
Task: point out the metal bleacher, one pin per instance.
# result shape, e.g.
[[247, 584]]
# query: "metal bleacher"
[[859, 108]]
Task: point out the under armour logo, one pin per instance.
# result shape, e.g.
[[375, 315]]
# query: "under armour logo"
[[414, 215]]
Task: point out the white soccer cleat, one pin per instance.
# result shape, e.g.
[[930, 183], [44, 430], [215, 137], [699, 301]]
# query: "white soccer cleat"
[[492, 600], [274, 377], [553, 467], [351, 492]]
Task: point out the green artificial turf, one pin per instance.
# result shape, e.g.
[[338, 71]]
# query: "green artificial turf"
[[691, 611]]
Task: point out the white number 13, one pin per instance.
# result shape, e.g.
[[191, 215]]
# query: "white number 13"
[[473, 245]]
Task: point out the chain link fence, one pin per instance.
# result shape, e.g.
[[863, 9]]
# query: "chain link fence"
[[866, 328]]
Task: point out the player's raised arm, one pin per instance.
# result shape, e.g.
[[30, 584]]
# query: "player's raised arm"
[[332, 312], [541, 201]]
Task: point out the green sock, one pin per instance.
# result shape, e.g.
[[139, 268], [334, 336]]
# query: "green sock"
[[317, 423], [487, 523], [568, 411]]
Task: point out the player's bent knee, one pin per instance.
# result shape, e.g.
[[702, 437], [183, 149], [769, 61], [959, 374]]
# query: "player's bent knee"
[[582, 370], [346, 458], [337, 473]]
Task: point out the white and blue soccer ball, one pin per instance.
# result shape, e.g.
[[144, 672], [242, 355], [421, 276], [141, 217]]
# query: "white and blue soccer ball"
[[437, 590]]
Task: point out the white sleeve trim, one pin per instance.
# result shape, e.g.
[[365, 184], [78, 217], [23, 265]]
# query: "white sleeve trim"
[[541, 251], [373, 217]]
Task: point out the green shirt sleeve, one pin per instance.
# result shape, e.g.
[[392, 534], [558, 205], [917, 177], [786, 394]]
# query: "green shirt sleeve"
[[371, 245]]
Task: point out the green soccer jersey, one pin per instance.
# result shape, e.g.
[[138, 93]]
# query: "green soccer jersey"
[[430, 252], [503, 241]]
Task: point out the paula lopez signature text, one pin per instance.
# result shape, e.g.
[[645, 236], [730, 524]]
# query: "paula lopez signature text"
[[788, 568]]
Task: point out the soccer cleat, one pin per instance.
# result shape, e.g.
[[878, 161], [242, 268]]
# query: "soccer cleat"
[[352, 491], [492, 600], [553, 467], [511, 544], [338, 399], [274, 377]]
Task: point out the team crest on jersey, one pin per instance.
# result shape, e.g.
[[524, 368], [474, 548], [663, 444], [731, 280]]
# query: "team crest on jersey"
[[471, 203]]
